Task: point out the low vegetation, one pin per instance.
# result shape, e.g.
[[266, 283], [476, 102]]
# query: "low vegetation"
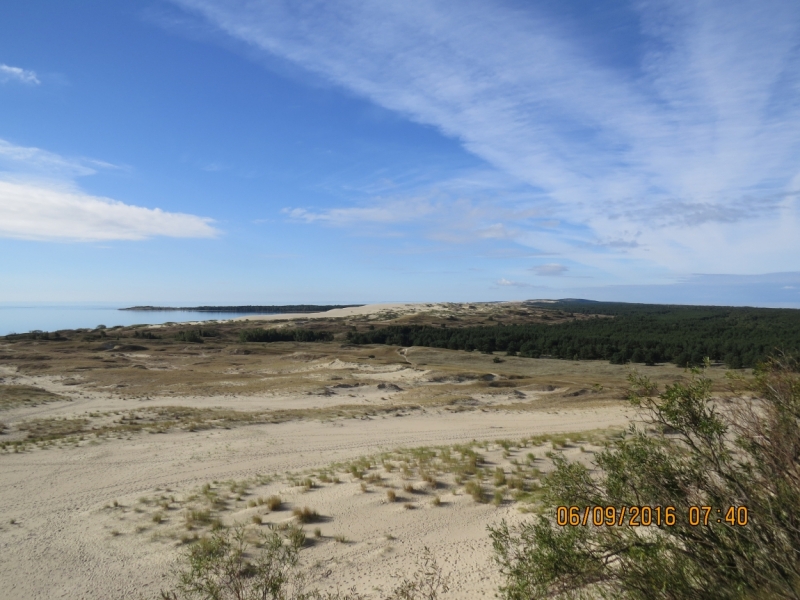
[[284, 335], [619, 333], [232, 565], [739, 460], [12, 396]]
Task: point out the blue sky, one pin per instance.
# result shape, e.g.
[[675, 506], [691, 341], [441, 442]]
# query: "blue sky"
[[236, 151]]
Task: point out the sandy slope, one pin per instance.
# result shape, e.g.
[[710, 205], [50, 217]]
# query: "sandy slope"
[[366, 310], [61, 544]]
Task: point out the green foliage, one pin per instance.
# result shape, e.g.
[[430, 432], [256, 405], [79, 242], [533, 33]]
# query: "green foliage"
[[284, 335], [147, 335], [638, 333], [426, 582], [220, 567], [744, 455], [225, 566], [189, 335], [37, 334]]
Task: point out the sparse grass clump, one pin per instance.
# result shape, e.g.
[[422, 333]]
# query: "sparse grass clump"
[[195, 517], [274, 503], [499, 477], [475, 489], [391, 496], [305, 515]]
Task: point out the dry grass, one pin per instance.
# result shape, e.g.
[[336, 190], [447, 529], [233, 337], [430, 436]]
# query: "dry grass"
[[117, 363], [13, 395], [306, 515], [468, 467]]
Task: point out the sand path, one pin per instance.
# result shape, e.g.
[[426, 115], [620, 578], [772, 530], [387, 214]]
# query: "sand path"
[[60, 544]]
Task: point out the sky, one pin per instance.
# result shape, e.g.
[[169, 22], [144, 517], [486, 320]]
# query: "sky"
[[269, 152]]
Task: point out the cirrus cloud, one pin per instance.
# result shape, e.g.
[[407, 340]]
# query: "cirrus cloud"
[[684, 154], [550, 270], [8, 73]]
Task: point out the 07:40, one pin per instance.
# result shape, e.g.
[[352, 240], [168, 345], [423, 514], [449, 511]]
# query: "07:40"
[[735, 515]]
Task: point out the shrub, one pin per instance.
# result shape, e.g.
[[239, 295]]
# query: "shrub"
[[218, 567], [189, 335], [391, 496], [224, 567], [744, 456], [274, 502]]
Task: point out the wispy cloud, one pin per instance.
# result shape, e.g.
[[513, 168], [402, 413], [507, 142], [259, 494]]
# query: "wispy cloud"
[[452, 211], [506, 283], [41, 163], [669, 159], [40, 201], [550, 270], [8, 73], [389, 212]]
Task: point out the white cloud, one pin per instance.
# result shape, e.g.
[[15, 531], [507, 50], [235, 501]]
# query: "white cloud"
[[8, 73], [684, 159], [35, 212], [39, 201], [506, 283], [388, 212], [550, 270], [41, 163]]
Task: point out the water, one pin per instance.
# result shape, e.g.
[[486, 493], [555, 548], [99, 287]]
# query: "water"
[[22, 319]]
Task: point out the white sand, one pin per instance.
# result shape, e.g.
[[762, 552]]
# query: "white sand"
[[399, 308], [61, 545]]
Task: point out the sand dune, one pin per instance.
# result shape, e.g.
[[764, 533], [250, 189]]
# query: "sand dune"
[[62, 542]]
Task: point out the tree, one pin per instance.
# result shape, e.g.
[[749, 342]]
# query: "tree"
[[702, 453]]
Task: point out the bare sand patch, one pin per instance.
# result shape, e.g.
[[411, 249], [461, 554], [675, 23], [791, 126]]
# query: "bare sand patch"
[[64, 542]]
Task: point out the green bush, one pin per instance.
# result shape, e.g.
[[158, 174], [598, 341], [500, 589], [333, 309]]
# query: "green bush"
[[225, 567], [189, 335], [703, 454], [284, 335]]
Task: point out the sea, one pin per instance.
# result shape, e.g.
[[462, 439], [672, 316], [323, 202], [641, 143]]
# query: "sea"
[[23, 318]]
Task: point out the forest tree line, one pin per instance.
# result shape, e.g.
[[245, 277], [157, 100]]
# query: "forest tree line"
[[284, 335], [639, 333]]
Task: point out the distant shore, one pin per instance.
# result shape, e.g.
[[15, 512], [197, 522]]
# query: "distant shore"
[[287, 308]]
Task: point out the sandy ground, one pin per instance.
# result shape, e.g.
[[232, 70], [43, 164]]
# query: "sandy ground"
[[77, 518], [58, 539], [368, 310]]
